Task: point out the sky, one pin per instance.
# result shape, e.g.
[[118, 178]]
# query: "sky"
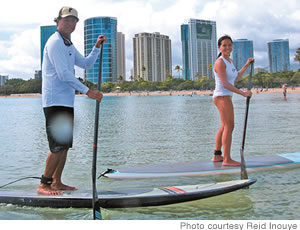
[[257, 20]]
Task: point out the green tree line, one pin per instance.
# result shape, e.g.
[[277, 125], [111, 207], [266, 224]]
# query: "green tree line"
[[18, 86], [260, 80]]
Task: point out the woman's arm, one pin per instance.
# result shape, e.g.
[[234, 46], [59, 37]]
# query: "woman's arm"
[[220, 69], [243, 69]]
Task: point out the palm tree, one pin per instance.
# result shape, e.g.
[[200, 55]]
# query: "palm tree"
[[120, 79], [178, 68], [297, 56], [169, 76], [143, 70], [138, 78], [198, 76]]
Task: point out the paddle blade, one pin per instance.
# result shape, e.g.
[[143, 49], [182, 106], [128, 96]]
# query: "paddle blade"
[[244, 174], [97, 211]]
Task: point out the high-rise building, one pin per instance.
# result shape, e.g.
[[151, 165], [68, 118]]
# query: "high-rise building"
[[152, 56], [186, 72], [279, 55], [93, 27], [121, 68], [38, 74], [199, 47], [242, 50], [46, 32], [3, 79]]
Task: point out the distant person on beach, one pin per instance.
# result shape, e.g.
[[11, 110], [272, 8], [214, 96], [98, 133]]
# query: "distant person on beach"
[[225, 77], [284, 91], [58, 94]]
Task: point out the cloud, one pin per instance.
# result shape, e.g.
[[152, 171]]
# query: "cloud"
[[259, 20], [20, 54]]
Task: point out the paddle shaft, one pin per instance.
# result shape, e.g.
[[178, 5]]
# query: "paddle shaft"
[[96, 207], [244, 174]]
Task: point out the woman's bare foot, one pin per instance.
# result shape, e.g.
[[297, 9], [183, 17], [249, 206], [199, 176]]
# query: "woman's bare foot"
[[217, 158], [47, 190], [231, 163], [61, 186]]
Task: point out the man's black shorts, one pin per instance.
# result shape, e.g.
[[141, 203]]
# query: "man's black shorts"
[[59, 127]]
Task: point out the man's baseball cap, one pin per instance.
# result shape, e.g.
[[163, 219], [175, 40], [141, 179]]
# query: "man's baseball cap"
[[67, 11]]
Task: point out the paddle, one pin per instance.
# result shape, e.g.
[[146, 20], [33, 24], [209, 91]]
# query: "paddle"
[[244, 174], [96, 207]]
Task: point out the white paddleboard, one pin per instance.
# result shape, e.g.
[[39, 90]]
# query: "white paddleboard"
[[203, 168]]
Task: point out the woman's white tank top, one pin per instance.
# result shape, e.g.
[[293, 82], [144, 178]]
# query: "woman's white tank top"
[[231, 73]]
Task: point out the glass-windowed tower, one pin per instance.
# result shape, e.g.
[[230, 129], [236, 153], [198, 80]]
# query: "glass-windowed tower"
[[3, 79], [93, 27], [46, 32], [242, 50], [279, 55], [186, 75], [199, 44]]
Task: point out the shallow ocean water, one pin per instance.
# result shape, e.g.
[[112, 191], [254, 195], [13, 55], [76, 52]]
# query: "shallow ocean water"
[[141, 130]]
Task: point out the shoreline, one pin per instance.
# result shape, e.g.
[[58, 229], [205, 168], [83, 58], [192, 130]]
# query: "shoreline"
[[165, 93]]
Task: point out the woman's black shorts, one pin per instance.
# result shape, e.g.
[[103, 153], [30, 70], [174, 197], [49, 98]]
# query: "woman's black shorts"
[[59, 127]]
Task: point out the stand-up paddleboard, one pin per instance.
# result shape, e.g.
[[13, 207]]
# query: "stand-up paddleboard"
[[124, 198], [203, 168]]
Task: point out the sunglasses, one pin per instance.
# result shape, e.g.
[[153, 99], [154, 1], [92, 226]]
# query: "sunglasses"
[[67, 42]]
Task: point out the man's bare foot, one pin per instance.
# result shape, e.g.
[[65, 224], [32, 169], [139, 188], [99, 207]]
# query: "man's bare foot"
[[231, 163], [217, 158], [47, 190], [61, 186]]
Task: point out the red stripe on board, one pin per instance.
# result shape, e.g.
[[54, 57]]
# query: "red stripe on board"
[[177, 190]]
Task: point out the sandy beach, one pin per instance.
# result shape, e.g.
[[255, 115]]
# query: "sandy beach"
[[195, 92], [168, 93]]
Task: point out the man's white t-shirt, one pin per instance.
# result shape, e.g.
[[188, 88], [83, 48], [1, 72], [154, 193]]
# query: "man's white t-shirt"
[[58, 78]]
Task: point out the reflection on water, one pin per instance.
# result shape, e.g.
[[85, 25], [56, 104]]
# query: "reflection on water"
[[135, 131]]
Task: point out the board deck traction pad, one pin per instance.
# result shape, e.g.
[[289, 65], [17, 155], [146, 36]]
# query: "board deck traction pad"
[[202, 168], [124, 198]]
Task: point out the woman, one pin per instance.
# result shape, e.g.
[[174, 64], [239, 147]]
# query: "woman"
[[225, 77]]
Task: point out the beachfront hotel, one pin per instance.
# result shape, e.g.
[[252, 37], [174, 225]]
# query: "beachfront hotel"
[[199, 48], [279, 55], [242, 50], [46, 32], [107, 26], [152, 59]]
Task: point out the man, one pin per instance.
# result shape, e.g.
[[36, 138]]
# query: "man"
[[58, 94], [284, 91]]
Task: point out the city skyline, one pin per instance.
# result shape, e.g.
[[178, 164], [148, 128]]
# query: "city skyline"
[[19, 36]]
